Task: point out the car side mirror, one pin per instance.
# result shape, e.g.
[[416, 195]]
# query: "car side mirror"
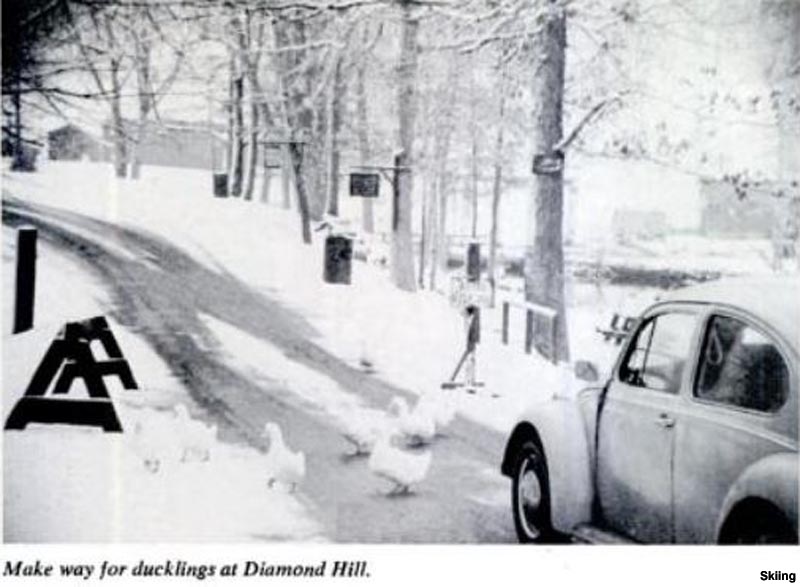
[[586, 371]]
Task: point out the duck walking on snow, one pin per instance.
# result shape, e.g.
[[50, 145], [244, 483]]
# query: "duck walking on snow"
[[283, 465], [401, 467], [362, 427], [441, 407]]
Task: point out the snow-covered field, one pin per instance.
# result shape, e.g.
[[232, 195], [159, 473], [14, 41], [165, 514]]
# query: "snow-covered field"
[[410, 340]]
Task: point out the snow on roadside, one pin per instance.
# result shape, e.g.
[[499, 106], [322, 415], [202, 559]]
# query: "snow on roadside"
[[66, 483]]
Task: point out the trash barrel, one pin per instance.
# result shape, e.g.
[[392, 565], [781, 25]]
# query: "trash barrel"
[[220, 185], [473, 262], [338, 259]]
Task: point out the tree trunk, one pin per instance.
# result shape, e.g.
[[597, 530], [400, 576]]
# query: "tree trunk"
[[402, 246], [337, 103], [229, 150], [118, 130], [473, 128], [367, 211], [287, 172], [266, 183], [441, 246], [250, 56], [146, 99], [428, 231], [497, 190], [252, 150], [19, 161], [544, 259], [296, 82], [296, 154], [237, 159]]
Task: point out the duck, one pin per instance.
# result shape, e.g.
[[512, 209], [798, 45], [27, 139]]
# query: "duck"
[[195, 437], [147, 447], [441, 407], [418, 427], [283, 465], [399, 466], [153, 438], [362, 428]]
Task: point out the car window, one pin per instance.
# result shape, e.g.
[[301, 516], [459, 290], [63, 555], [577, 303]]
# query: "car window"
[[741, 366], [659, 352]]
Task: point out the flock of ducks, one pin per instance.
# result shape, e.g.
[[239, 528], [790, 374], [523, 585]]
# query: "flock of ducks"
[[397, 441]]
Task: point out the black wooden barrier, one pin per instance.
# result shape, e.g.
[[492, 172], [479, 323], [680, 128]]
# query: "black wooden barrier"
[[26, 279], [71, 355]]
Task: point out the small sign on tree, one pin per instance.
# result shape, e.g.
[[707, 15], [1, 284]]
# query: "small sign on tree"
[[548, 163], [365, 185]]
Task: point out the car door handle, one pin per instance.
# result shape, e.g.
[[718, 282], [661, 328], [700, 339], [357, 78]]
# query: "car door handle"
[[665, 421]]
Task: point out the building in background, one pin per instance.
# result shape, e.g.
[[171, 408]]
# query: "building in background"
[[72, 143], [173, 143]]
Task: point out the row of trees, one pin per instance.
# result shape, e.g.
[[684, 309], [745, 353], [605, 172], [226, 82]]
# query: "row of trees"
[[453, 96]]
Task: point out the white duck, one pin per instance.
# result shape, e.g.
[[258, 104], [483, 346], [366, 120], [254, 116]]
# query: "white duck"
[[196, 438], [441, 407], [417, 426], [362, 427], [153, 438], [283, 465], [398, 466], [147, 446]]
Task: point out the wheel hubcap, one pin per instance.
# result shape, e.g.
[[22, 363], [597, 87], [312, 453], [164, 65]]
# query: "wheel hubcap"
[[529, 499]]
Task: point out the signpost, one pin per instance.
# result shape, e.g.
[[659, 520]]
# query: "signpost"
[[365, 185]]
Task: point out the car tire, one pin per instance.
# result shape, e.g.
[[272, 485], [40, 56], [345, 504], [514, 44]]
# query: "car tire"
[[771, 531], [530, 495], [765, 525]]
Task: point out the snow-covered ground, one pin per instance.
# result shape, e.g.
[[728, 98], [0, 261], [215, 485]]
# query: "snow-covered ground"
[[410, 340], [76, 484]]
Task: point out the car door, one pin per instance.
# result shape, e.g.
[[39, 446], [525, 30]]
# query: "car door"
[[636, 427], [740, 409]]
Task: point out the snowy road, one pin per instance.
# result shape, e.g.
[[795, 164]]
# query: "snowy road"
[[163, 294]]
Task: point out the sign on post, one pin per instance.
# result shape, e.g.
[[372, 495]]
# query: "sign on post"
[[365, 185]]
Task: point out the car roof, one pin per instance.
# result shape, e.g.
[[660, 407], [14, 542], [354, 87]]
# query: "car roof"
[[775, 300]]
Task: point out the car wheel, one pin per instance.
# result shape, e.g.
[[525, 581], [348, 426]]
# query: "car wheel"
[[530, 495], [776, 531], [765, 525]]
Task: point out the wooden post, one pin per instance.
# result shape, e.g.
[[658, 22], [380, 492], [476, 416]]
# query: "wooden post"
[[528, 331], [554, 339], [506, 310], [26, 279]]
